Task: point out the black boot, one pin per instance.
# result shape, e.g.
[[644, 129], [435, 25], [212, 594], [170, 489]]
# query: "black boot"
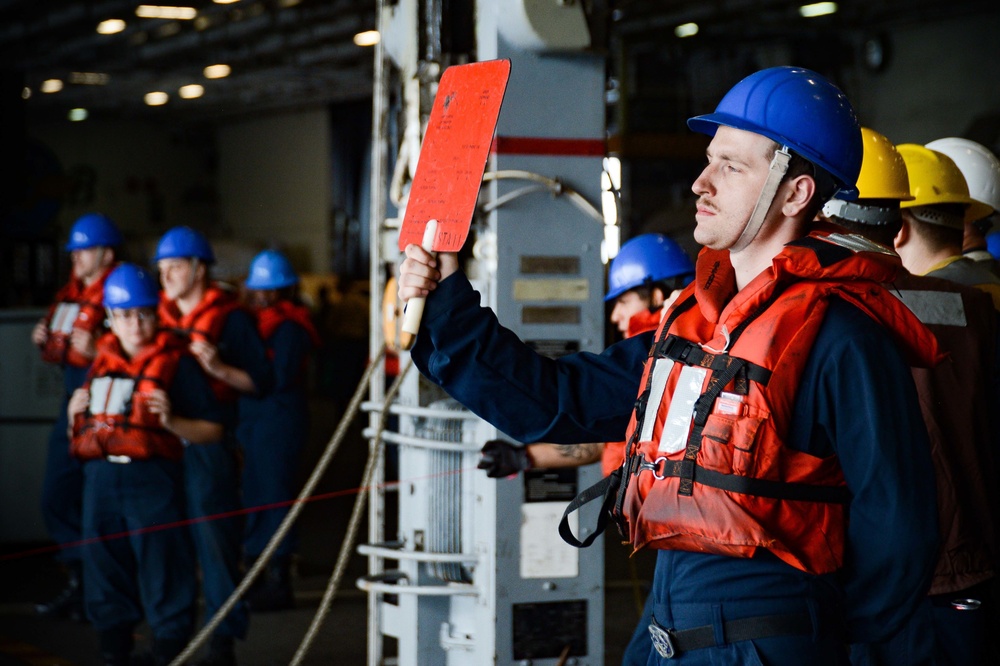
[[162, 653], [116, 645], [221, 652], [273, 591], [69, 602]]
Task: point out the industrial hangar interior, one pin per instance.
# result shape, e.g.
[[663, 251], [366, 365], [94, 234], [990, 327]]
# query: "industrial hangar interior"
[[252, 122]]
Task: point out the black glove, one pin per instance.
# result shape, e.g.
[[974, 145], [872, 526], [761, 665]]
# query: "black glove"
[[501, 459]]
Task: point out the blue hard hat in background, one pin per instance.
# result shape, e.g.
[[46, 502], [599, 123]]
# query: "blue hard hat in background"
[[93, 230], [993, 244], [129, 286], [800, 109], [644, 260], [271, 269], [184, 243]]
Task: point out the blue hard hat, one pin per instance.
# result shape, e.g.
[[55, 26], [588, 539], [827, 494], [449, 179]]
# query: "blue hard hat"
[[993, 244], [644, 260], [129, 286], [271, 269], [184, 243], [800, 109], [93, 230]]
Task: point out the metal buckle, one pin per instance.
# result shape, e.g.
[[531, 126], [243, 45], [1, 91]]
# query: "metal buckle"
[[662, 642], [653, 467], [118, 460]]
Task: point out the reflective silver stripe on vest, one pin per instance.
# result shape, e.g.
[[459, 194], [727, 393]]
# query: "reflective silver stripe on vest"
[[678, 422], [944, 308], [661, 372]]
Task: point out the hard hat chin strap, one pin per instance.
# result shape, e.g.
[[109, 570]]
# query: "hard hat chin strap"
[[776, 172]]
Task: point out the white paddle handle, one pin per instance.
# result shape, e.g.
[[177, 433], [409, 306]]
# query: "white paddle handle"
[[415, 306]]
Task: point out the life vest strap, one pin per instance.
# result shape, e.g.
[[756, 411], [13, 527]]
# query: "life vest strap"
[[690, 353], [663, 468], [607, 489]]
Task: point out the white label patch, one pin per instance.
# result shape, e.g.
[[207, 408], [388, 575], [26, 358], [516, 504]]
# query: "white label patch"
[[109, 395], [64, 317], [543, 552], [678, 423]]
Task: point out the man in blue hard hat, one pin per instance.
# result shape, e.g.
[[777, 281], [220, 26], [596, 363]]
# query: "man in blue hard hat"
[[144, 400], [273, 428], [66, 337], [223, 339], [750, 416]]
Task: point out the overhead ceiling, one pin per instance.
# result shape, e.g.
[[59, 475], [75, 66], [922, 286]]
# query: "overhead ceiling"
[[286, 53], [282, 53]]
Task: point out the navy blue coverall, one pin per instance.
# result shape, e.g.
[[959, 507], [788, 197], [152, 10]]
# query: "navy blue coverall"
[[272, 431], [212, 482], [150, 574]]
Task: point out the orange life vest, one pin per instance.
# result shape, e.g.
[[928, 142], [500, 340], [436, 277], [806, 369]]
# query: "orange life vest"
[[271, 317], [713, 474], [75, 306], [643, 321], [204, 323], [117, 421]]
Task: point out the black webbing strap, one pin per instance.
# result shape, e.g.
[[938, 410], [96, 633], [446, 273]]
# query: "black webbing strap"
[[702, 408], [691, 353], [735, 483], [606, 488], [734, 631]]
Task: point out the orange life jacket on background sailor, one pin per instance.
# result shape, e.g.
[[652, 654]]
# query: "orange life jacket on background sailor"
[[204, 322], [117, 422]]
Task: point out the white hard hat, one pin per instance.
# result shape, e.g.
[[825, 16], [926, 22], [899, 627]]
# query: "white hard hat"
[[980, 167]]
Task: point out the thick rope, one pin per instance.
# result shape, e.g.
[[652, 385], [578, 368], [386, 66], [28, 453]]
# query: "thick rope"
[[293, 514], [347, 546]]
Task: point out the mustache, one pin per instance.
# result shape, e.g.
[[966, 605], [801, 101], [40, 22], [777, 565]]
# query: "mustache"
[[705, 203]]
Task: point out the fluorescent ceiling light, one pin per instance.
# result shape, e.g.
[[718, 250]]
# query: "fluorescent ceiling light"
[[156, 98], [76, 115], [686, 30], [818, 9], [217, 71], [191, 91], [367, 38], [156, 11], [111, 26], [51, 85], [224, 2]]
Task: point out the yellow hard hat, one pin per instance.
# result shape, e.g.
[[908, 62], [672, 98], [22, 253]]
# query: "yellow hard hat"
[[883, 171], [936, 179]]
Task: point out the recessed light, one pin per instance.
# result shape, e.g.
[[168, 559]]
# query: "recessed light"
[[219, 71], [367, 38], [51, 85], [76, 115], [156, 11], [156, 98], [110, 26], [686, 30], [191, 91], [818, 9]]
